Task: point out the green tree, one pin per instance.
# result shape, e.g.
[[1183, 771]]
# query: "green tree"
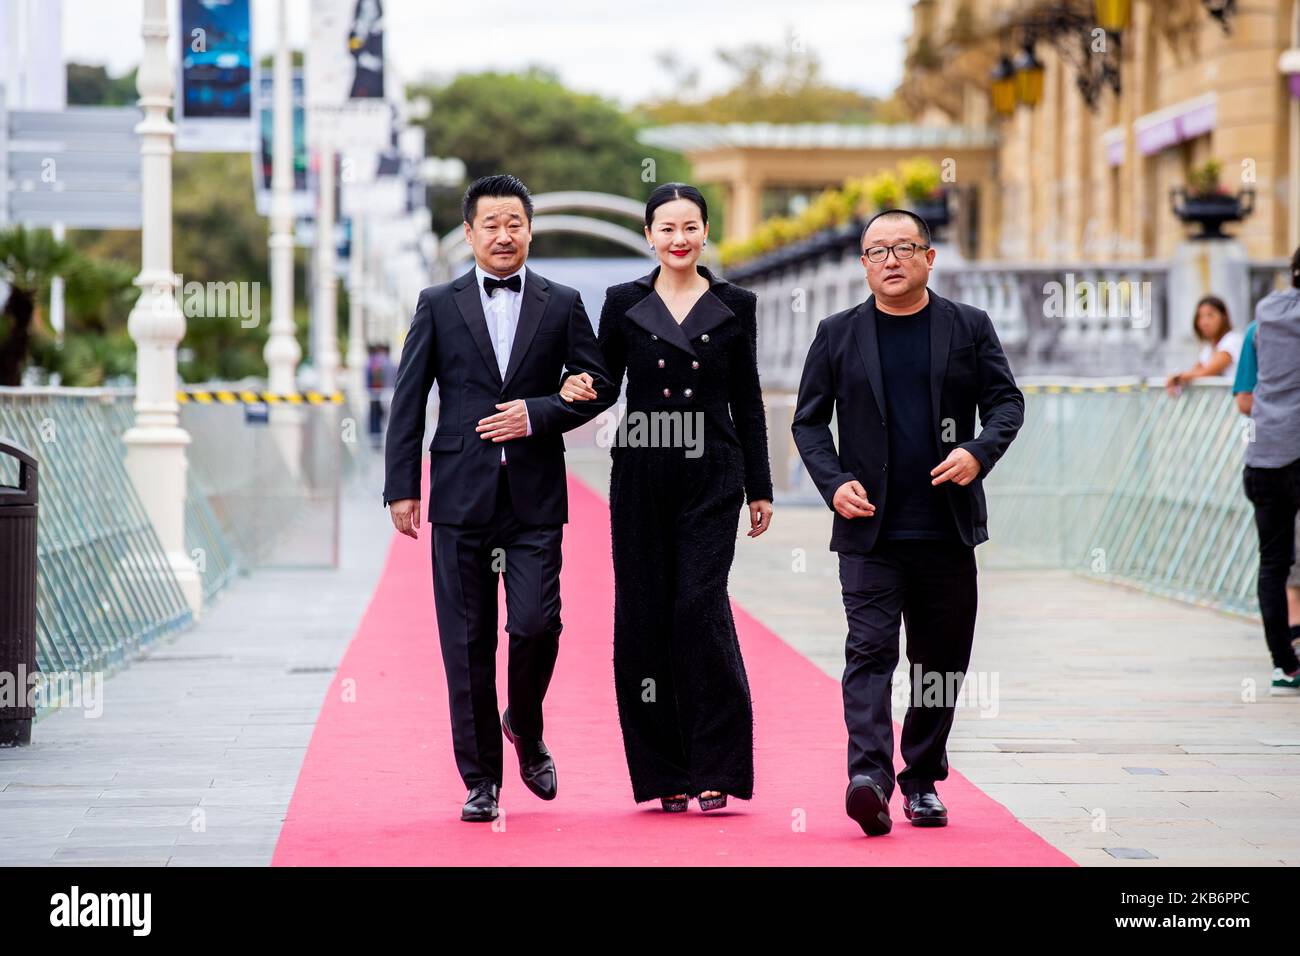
[[771, 84], [92, 86], [29, 260], [551, 137], [217, 236]]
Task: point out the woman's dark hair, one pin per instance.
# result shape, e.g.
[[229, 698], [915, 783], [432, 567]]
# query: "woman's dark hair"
[[496, 187], [1295, 268], [1225, 326], [670, 191]]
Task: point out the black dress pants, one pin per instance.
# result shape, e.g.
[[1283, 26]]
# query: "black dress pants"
[[466, 562], [1275, 493], [684, 702], [931, 587]]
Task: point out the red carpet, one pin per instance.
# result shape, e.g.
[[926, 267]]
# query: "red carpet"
[[379, 786]]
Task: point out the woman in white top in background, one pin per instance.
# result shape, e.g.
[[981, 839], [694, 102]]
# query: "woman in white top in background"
[[1222, 345]]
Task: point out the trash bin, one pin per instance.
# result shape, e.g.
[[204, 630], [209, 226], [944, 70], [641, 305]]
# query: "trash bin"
[[17, 598]]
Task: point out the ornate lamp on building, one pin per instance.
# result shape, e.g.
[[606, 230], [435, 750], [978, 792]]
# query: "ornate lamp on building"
[[1113, 15], [1003, 90], [1029, 77]]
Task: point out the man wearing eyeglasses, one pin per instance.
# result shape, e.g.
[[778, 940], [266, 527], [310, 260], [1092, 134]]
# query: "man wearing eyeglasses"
[[904, 373]]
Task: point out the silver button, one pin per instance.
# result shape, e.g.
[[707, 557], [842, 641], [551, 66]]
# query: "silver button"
[[653, 337], [695, 365], [668, 393], [688, 393], [704, 337], [661, 363]]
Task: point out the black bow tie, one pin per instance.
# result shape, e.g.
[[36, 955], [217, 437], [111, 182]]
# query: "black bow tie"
[[490, 284]]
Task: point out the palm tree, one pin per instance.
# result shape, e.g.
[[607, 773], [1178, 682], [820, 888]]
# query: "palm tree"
[[29, 260]]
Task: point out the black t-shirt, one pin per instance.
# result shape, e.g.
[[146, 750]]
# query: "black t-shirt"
[[913, 508]]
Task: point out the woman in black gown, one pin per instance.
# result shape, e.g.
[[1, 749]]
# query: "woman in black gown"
[[687, 341]]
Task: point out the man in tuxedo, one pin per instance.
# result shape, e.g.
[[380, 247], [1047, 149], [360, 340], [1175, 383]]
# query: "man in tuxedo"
[[904, 373], [498, 340]]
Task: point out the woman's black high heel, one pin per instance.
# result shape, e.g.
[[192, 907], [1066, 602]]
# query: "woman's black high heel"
[[712, 803], [674, 804]]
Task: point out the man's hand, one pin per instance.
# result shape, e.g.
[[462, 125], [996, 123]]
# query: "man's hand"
[[850, 501], [405, 513], [510, 422], [578, 388], [960, 466]]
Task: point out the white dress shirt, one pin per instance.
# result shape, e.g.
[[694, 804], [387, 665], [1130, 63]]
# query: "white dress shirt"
[[501, 311]]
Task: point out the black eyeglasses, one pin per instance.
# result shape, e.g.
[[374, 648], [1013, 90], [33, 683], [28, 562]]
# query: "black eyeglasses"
[[902, 250]]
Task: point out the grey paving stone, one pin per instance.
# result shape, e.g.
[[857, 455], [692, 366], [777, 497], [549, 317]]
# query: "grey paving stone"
[[1129, 853], [217, 718]]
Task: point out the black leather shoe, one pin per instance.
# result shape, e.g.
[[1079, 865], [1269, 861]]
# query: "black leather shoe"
[[866, 803], [925, 810], [481, 804], [535, 764]]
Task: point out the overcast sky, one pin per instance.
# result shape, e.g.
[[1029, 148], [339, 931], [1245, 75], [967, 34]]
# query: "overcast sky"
[[859, 42]]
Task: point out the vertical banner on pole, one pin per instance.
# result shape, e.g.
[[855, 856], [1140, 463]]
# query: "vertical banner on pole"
[[214, 112], [303, 204], [345, 75]]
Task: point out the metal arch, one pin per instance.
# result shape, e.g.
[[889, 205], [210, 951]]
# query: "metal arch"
[[573, 199], [595, 202], [455, 250]]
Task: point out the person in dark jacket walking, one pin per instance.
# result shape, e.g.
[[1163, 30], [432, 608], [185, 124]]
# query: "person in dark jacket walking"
[[691, 449], [904, 373]]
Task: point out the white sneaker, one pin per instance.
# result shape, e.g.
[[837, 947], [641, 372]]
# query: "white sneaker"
[[1284, 686]]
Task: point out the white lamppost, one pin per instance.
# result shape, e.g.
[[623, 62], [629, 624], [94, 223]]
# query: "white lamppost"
[[282, 351], [326, 318], [156, 457]]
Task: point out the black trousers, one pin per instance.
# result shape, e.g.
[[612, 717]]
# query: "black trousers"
[[1275, 493], [684, 702], [466, 562], [930, 586]]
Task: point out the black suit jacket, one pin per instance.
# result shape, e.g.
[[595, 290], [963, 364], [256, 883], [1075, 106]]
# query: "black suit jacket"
[[448, 342], [707, 363], [968, 370]]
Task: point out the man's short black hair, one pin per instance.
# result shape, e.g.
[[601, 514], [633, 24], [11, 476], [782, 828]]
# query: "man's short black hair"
[[921, 226], [502, 184]]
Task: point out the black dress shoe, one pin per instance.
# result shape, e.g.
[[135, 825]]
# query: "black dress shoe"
[[866, 803], [535, 764], [481, 804], [925, 810]]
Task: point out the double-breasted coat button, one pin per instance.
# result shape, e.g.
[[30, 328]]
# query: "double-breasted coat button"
[[688, 393], [668, 393], [661, 363], [704, 337], [695, 364]]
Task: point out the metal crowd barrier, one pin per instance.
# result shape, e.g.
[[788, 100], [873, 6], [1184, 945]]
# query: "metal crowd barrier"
[[276, 496], [104, 586], [1123, 483]]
